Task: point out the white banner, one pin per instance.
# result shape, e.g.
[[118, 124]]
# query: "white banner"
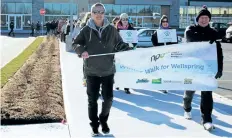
[[187, 66], [166, 35], [129, 36]]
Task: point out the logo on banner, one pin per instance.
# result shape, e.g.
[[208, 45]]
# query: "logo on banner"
[[142, 81], [158, 56], [171, 81], [176, 54], [188, 81], [157, 81]]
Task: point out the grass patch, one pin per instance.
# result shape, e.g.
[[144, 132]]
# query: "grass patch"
[[13, 66]]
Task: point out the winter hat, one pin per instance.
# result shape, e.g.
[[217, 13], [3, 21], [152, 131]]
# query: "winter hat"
[[202, 12], [161, 19], [124, 16]]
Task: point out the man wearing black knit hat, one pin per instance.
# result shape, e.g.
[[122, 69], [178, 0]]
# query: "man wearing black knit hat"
[[197, 33]]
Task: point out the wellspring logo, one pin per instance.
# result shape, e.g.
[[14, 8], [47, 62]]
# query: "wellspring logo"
[[157, 81], [188, 81], [142, 81]]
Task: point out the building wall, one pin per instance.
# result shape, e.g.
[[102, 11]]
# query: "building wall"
[[36, 6], [174, 13]]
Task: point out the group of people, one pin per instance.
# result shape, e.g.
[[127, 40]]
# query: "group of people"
[[98, 36]]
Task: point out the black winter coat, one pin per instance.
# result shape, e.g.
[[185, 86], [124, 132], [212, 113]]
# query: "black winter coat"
[[196, 33]]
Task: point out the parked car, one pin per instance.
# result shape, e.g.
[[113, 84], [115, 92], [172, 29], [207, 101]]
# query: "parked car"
[[144, 37], [221, 28], [228, 37], [138, 28]]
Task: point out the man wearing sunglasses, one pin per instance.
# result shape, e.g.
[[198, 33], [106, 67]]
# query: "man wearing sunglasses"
[[99, 37]]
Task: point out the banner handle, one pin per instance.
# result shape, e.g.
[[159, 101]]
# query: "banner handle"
[[101, 54]]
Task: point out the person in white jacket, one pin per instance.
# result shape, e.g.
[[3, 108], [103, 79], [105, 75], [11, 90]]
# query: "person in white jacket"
[[76, 30]]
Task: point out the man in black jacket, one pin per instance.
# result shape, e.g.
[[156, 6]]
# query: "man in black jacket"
[[99, 37], [197, 33], [11, 28]]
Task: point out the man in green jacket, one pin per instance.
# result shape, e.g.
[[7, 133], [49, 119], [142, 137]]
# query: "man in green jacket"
[[99, 37]]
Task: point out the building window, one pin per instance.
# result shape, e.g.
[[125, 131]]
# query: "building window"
[[116, 10], [65, 10], [19, 8], [3, 8], [224, 12], [27, 20], [10, 8], [215, 12], [74, 9], [148, 10], [108, 9], [140, 10], [230, 12], [3, 20], [132, 10], [48, 8], [124, 8], [28, 8], [56, 8]]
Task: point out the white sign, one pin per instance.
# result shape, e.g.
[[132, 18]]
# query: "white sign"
[[166, 35], [176, 67], [129, 36]]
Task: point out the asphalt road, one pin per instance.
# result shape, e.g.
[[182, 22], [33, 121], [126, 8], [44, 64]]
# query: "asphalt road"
[[225, 83]]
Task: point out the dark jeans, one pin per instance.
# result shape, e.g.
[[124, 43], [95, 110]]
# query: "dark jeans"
[[93, 87], [11, 31], [206, 104]]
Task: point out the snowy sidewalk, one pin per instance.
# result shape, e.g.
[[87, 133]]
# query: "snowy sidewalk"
[[11, 47], [140, 114]]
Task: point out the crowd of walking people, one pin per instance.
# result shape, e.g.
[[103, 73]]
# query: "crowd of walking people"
[[96, 35]]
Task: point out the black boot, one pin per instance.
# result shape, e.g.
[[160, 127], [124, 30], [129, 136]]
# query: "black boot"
[[94, 129], [105, 128], [127, 90]]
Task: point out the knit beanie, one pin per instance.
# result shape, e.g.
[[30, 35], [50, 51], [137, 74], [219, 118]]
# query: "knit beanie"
[[202, 12]]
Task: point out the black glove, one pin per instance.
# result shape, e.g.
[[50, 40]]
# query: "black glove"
[[211, 41], [218, 75]]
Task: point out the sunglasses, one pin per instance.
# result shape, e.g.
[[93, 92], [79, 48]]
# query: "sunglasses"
[[164, 21], [124, 19], [98, 12]]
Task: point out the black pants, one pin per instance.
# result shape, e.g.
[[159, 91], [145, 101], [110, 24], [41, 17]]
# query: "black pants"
[[206, 104], [93, 86], [11, 31]]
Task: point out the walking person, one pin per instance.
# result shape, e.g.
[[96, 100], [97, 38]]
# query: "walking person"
[[38, 26], [99, 37], [115, 21], [123, 24], [76, 30], [197, 33], [154, 38], [11, 28], [32, 29]]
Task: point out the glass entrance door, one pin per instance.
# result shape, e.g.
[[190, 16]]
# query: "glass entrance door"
[[17, 20]]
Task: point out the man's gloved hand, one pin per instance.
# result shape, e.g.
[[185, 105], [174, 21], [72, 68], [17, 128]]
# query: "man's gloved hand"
[[211, 41], [218, 75]]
